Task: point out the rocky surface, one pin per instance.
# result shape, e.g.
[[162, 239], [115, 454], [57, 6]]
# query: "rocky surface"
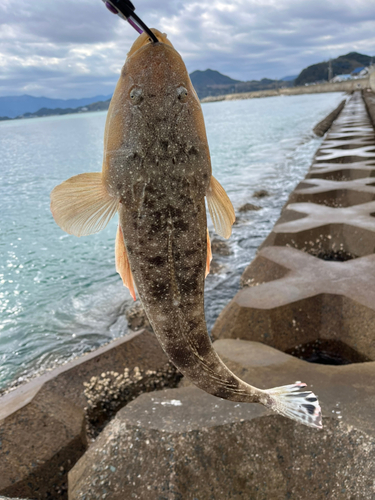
[[186, 444]]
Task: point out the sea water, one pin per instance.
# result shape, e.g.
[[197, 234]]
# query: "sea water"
[[60, 295]]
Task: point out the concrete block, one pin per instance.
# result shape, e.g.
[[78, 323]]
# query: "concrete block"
[[334, 193], [185, 444], [43, 422], [39, 443], [313, 306], [343, 172], [326, 232]]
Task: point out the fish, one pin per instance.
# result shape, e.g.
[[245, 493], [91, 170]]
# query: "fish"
[[157, 174]]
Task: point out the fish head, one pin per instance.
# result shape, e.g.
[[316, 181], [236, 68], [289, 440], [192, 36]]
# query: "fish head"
[[157, 78], [155, 114]]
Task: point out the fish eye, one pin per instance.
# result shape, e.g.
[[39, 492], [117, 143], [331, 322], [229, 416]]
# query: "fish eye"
[[182, 94], [136, 95]]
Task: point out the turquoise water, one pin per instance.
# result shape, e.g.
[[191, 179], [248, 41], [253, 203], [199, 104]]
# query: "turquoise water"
[[60, 295]]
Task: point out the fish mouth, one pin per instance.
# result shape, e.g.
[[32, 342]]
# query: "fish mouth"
[[144, 41]]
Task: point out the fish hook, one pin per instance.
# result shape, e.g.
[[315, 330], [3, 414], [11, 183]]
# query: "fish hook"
[[125, 9]]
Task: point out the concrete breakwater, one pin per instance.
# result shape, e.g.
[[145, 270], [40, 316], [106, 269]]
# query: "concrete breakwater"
[[347, 86], [183, 443]]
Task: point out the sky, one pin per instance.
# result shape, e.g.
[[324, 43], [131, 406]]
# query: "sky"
[[76, 48]]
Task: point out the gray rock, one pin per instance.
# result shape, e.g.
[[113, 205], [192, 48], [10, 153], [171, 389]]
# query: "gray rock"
[[185, 444], [220, 247], [249, 206], [261, 193]]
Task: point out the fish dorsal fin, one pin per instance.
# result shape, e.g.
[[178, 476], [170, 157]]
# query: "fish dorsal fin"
[[221, 208], [122, 263], [81, 205], [209, 254]]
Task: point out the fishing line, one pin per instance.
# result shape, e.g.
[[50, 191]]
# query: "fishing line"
[[125, 9]]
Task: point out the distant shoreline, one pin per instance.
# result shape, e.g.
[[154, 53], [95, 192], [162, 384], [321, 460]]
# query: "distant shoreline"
[[45, 112], [347, 86]]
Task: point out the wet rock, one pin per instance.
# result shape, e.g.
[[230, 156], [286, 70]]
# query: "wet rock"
[[215, 267], [186, 444], [220, 247], [261, 193], [249, 206], [137, 318]]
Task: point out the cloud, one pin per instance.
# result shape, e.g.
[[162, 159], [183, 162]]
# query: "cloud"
[[68, 49]]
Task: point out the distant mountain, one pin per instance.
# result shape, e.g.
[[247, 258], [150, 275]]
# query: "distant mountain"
[[210, 77], [289, 78], [96, 106], [12, 106], [341, 65]]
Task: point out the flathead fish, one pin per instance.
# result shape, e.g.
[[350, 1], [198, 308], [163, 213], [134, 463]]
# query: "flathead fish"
[[156, 174]]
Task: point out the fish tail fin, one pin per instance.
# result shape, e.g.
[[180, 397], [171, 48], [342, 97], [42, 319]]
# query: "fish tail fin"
[[220, 208], [122, 263], [209, 254], [81, 205], [300, 406]]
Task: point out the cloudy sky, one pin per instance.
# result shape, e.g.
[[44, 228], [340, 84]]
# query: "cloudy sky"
[[75, 48]]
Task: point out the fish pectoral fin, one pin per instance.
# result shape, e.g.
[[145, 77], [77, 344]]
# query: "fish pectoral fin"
[[81, 205], [209, 254], [221, 208], [122, 263]]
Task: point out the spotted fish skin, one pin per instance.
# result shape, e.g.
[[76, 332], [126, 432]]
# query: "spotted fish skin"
[[156, 173], [164, 169]]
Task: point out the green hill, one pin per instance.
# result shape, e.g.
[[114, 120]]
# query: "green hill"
[[341, 65], [210, 77]]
